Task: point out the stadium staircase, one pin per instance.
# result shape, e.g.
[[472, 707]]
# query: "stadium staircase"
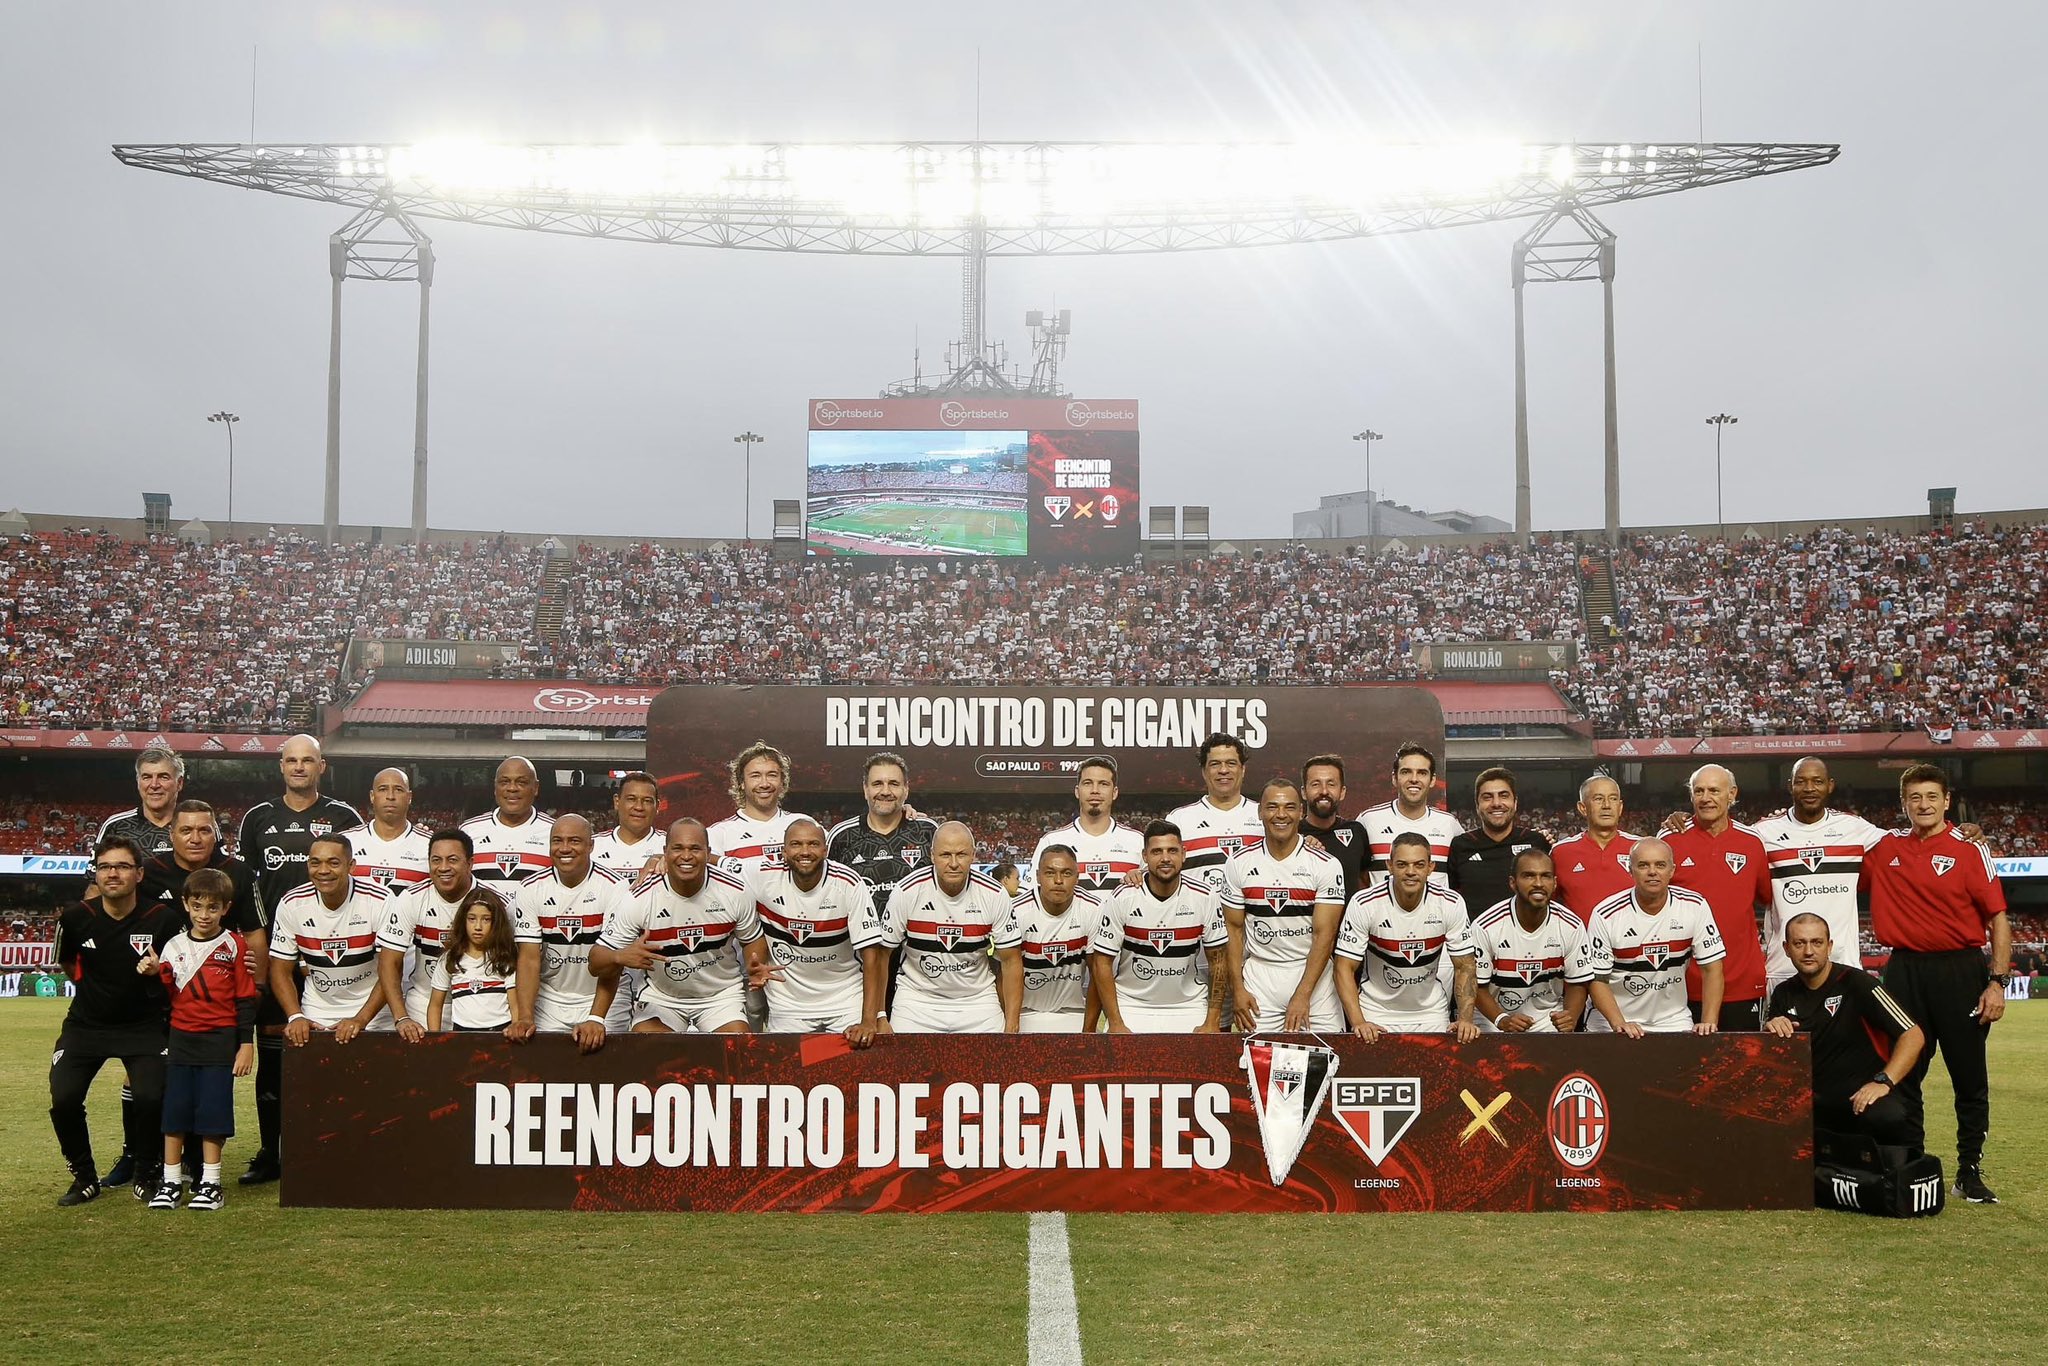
[[548, 611], [299, 714], [1596, 593]]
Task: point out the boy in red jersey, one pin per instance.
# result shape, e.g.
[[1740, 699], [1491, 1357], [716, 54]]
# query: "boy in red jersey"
[[205, 969]]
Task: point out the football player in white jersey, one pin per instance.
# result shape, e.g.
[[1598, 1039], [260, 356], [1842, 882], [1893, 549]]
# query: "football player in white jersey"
[[963, 966], [821, 929], [632, 848], [511, 839], [390, 850], [409, 940], [1816, 858], [695, 932], [1147, 938], [1642, 940], [1224, 822], [1282, 903], [751, 837], [1397, 930], [1535, 959], [1414, 783], [328, 928], [1056, 921], [557, 917], [1107, 851]]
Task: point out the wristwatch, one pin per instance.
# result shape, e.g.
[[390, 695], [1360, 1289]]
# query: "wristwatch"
[[1883, 1080], [2004, 979]]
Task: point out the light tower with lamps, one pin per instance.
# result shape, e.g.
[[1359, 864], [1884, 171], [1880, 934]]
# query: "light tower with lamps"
[[229, 420], [1719, 422], [749, 440], [1368, 436]]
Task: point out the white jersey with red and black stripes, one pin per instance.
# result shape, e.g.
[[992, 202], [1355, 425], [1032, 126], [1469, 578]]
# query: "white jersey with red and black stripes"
[[1528, 970], [629, 861], [398, 865], [1399, 951], [1815, 869], [743, 844], [1105, 859], [1384, 822], [1644, 956], [1055, 951], [946, 939], [1211, 836], [699, 936], [1278, 896], [478, 995], [414, 923], [335, 947], [1156, 943], [507, 855], [815, 939], [567, 922]]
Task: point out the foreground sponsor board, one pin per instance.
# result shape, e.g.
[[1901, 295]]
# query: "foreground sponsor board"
[[985, 740], [1090, 1124]]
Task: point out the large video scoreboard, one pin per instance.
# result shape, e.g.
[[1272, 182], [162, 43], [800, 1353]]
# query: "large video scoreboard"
[[1049, 478]]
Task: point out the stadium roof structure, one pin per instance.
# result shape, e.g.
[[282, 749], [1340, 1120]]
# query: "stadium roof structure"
[[975, 200]]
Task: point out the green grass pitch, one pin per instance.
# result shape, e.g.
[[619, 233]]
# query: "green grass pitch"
[[112, 1281], [968, 530]]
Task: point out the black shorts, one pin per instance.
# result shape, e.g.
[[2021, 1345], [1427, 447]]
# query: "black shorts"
[[199, 1100]]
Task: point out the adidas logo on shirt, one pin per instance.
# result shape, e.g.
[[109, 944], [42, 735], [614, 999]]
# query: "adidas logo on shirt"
[[1687, 863]]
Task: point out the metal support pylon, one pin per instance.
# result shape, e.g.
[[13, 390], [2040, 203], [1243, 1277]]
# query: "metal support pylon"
[[1567, 244], [380, 243]]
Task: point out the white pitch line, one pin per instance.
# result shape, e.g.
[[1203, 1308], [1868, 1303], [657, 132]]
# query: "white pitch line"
[[1055, 1324]]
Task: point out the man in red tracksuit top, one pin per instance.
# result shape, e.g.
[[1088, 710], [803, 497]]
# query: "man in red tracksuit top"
[[1725, 862], [205, 969]]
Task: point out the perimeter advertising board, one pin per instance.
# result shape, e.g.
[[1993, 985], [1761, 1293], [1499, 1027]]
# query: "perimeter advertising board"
[[1082, 1123], [1021, 740], [989, 475]]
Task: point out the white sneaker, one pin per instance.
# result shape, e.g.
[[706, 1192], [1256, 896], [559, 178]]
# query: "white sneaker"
[[166, 1196], [207, 1195]]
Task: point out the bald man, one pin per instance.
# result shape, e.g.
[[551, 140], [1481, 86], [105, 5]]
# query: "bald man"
[[275, 838], [695, 933], [948, 918], [557, 919], [1643, 941], [1725, 861], [823, 937], [390, 850], [511, 840], [1816, 858]]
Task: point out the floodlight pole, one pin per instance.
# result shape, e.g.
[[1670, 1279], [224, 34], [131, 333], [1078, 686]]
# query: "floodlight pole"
[[1568, 243], [1719, 422], [228, 420], [1372, 502], [365, 250], [750, 440]]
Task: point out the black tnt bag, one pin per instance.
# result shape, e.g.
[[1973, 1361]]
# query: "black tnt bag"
[[1854, 1173]]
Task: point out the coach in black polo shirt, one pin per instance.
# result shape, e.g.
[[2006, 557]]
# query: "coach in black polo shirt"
[[195, 844], [1482, 861], [1844, 1011], [117, 1013]]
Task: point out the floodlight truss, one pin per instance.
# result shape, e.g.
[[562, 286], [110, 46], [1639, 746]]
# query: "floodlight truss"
[[975, 199]]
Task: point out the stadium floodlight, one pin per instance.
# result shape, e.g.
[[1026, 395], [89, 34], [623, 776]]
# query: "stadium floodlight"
[[976, 200], [228, 420], [749, 440], [1720, 422], [1372, 502]]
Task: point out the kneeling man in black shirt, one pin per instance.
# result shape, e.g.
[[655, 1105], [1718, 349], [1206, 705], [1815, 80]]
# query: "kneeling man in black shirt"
[[1863, 1041]]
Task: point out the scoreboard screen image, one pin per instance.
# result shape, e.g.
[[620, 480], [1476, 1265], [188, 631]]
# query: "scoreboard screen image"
[[1051, 478]]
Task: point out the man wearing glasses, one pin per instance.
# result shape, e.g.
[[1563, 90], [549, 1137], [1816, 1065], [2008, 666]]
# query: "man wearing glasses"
[[119, 1012]]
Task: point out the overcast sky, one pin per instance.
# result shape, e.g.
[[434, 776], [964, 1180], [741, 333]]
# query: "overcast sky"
[[1874, 324]]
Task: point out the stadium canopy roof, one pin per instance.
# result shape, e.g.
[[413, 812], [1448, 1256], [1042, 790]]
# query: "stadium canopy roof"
[[976, 198]]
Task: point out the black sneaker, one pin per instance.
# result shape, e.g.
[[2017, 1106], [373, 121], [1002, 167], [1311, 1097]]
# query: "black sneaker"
[[123, 1171], [166, 1197], [147, 1180], [262, 1169], [82, 1189], [1970, 1185], [207, 1195]]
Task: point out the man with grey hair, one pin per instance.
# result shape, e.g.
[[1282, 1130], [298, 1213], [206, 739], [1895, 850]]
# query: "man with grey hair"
[[1725, 862], [1644, 939], [159, 781], [1594, 866]]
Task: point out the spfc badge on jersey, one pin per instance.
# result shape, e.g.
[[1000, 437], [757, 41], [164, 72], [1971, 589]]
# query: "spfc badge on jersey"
[[1736, 862], [1656, 954], [569, 926], [1413, 949], [801, 930], [1288, 1084], [949, 935], [319, 828], [1055, 953], [1278, 898], [1097, 872], [1377, 1111], [1344, 835], [1529, 969], [141, 943], [1942, 863], [1812, 858], [1231, 845], [910, 855], [1161, 938], [690, 936], [1832, 1004], [335, 949], [508, 862]]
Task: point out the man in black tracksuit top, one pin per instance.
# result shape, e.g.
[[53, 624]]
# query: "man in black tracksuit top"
[[1864, 1043], [117, 1013]]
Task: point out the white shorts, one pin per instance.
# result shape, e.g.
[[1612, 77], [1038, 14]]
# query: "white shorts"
[[619, 1019], [705, 1018], [1143, 1019], [1541, 1017], [912, 1016], [1273, 984], [1272, 1017], [1049, 1022], [827, 1023], [559, 1018], [1414, 1022]]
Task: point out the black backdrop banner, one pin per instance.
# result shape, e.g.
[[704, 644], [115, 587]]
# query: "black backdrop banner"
[[1078, 1123]]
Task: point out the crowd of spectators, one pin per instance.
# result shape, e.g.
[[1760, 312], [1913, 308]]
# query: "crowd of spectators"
[[1834, 631]]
